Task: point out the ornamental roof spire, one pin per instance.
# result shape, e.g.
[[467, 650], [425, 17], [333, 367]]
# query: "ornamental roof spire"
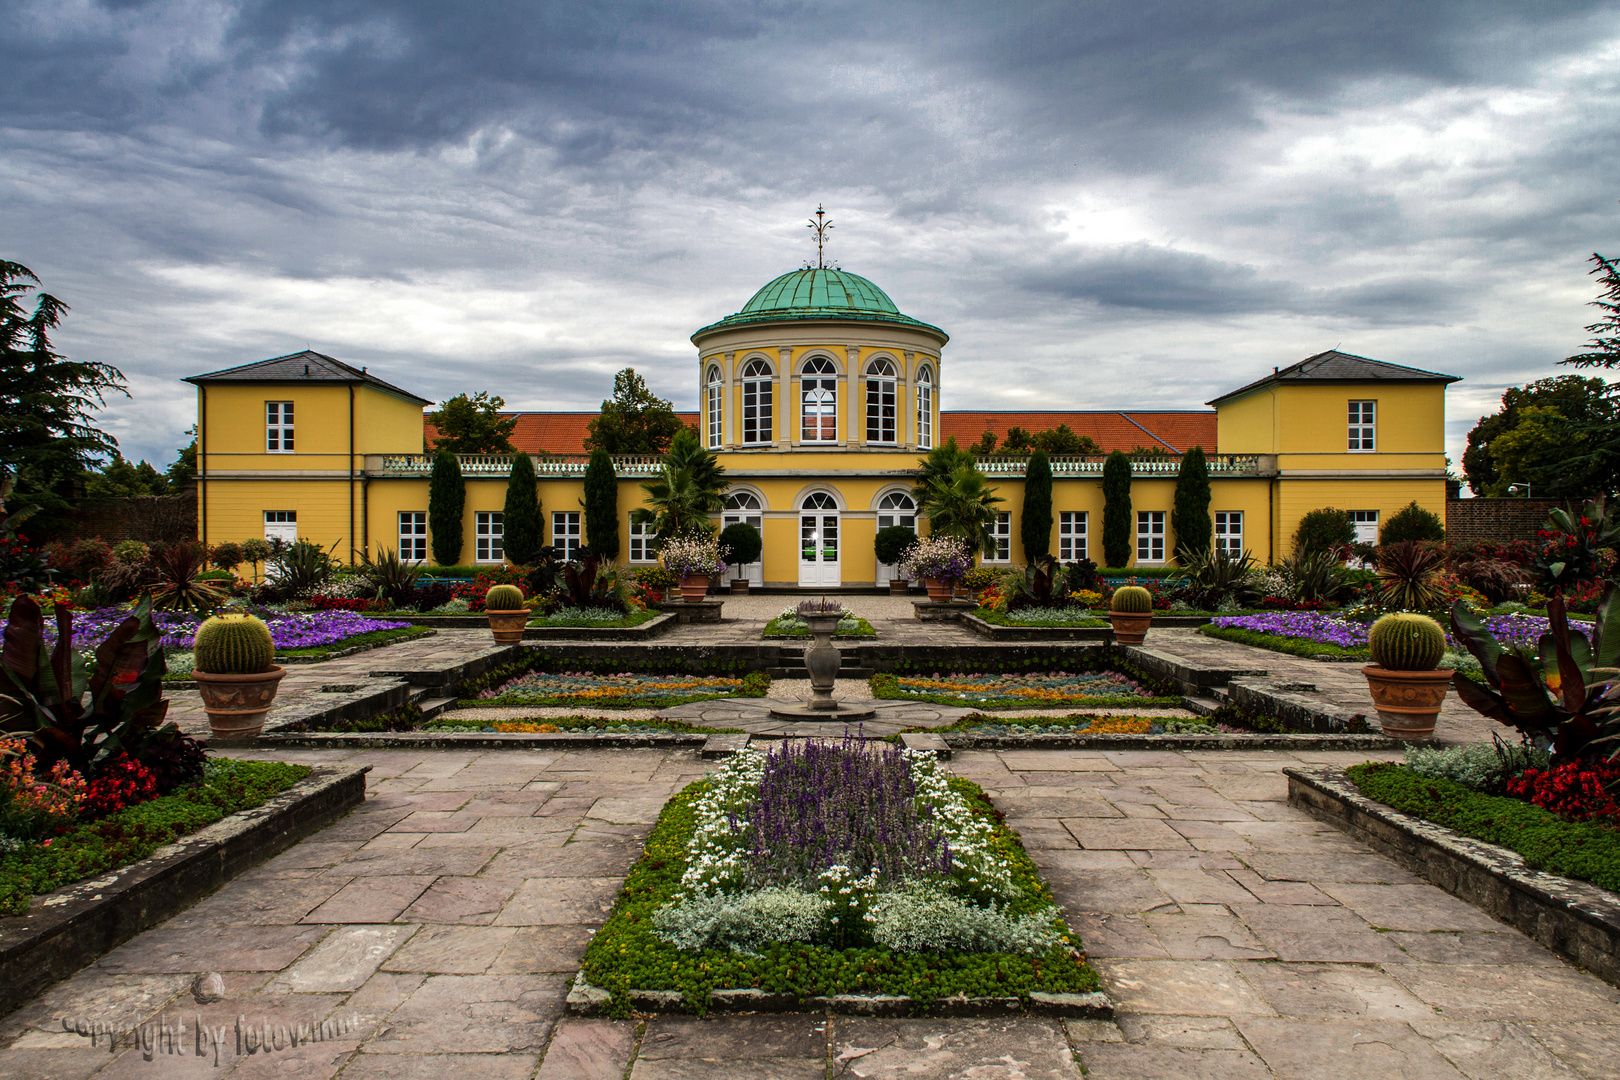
[[820, 225]]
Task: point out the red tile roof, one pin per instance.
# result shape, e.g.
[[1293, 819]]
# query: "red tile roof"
[[550, 432]]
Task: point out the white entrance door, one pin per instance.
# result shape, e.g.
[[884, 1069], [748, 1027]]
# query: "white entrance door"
[[895, 508], [818, 543], [743, 506]]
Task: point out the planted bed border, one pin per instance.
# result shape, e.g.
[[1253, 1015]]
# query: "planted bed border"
[[658, 625], [414, 633], [1576, 919], [994, 632], [72, 927]]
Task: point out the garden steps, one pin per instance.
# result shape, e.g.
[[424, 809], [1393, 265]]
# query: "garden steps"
[[790, 665]]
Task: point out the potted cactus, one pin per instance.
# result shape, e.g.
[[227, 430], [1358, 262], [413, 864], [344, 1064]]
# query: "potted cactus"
[[236, 674], [1406, 688], [1131, 611], [503, 604]]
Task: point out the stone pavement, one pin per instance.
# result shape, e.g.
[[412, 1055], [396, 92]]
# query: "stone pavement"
[[442, 921]]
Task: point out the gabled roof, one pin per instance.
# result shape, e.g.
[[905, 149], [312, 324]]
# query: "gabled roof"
[[1177, 431], [306, 366], [1335, 366]]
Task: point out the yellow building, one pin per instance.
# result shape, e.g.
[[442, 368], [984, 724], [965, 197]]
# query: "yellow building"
[[818, 397]]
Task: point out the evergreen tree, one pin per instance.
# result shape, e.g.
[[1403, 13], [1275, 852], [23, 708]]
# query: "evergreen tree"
[[522, 534], [1117, 510], [473, 425], [1600, 457], [1189, 518], [1035, 522], [602, 506], [447, 495], [634, 420]]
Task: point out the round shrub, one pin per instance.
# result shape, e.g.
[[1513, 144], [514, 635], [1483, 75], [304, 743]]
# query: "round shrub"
[[741, 543], [1131, 598], [503, 598], [1324, 530], [233, 645], [891, 543], [1406, 642], [1412, 522]]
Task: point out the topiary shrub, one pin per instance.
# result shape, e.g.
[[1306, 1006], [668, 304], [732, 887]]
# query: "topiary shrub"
[[740, 544], [1132, 599], [1117, 519], [503, 598], [1322, 530], [891, 543], [1406, 642], [233, 645], [1412, 522], [1035, 523], [1189, 518], [447, 497]]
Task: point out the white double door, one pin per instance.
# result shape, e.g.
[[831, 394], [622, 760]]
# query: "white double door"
[[818, 549], [754, 571]]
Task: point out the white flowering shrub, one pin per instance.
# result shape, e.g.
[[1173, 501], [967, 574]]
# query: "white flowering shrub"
[[929, 920], [340, 587], [178, 662], [1480, 766], [458, 606], [744, 923]]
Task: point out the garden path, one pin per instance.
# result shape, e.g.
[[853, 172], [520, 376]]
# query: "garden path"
[[1239, 937]]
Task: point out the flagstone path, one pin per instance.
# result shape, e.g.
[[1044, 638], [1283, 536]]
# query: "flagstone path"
[[443, 920]]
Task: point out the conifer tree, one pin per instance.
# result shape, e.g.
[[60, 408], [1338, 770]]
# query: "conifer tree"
[[1189, 518], [521, 534], [1117, 510], [602, 506], [1035, 523], [447, 496]]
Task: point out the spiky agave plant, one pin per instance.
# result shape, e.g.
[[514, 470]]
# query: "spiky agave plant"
[[1411, 576]]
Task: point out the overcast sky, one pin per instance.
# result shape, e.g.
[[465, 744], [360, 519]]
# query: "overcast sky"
[[1107, 205]]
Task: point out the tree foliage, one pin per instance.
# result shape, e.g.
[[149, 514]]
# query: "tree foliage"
[[447, 495], [938, 463], [602, 506], [1035, 521], [1189, 517], [1600, 456], [1571, 409], [686, 490], [1412, 522], [1324, 531], [962, 503], [522, 534], [634, 420], [1061, 440], [473, 425], [121, 479], [1117, 509]]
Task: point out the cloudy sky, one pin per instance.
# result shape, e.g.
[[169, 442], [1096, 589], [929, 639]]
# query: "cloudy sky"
[[1106, 204]]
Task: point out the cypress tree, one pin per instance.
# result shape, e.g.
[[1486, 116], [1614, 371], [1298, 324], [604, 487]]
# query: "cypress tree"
[[520, 517], [1117, 510], [1190, 515], [1035, 523], [602, 505], [447, 495]]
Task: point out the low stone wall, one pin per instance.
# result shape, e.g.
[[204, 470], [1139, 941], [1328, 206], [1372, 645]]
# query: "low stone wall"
[[1501, 520], [154, 518]]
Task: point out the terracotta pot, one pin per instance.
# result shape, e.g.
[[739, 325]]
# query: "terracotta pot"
[[898, 586], [1130, 627], [507, 626], [237, 704], [938, 591], [739, 587], [1407, 701], [694, 587]]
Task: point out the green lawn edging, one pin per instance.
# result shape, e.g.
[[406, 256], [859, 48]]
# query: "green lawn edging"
[[863, 629]]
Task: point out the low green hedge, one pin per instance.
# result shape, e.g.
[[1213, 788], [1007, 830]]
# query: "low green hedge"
[[370, 639], [1586, 851], [863, 629], [136, 831], [627, 955]]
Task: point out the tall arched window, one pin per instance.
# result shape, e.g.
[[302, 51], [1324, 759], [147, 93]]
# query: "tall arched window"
[[880, 402], [715, 395], [925, 409], [756, 405], [818, 393]]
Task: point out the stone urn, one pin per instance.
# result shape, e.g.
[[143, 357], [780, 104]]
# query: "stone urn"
[[237, 704], [939, 591], [821, 660], [694, 587], [1407, 701], [507, 626], [898, 586]]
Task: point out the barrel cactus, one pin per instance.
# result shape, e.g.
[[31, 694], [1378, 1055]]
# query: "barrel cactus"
[[1406, 642], [233, 645], [503, 598], [1131, 599]]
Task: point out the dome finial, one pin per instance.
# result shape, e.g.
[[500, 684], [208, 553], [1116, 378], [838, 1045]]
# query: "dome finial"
[[820, 226]]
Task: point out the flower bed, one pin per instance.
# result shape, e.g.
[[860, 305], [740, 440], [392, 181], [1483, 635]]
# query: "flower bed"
[[590, 725], [833, 868], [594, 617], [790, 625], [1096, 689], [1349, 637], [1075, 723], [1069, 616], [625, 690], [291, 631]]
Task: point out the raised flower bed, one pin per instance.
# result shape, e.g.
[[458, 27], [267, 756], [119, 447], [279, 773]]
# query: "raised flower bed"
[[302, 634], [1059, 689], [790, 624], [834, 874], [1318, 635], [624, 690]]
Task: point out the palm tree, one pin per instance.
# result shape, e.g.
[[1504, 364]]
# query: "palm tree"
[[962, 503], [686, 490]]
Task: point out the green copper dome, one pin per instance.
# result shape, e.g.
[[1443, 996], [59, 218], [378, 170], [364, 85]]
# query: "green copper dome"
[[819, 294]]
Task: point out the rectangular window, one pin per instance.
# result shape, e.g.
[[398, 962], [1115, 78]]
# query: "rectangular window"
[[1362, 425], [1071, 535], [925, 415], [1229, 531], [281, 525], [565, 534], [880, 410], [1366, 523], [1002, 531], [1150, 536], [488, 544], [715, 396], [757, 411], [641, 543], [413, 535], [278, 427], [819, 422]]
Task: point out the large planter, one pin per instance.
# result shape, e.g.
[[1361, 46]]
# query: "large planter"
[[939, 591], [1130, 627], [694, 587], [739, 586], [1407, 701], [898, 586], [237, 704], [507, 626], [821, 660]]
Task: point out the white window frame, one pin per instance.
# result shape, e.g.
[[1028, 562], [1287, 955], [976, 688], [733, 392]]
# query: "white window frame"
[[1229, 532], [278, 427], [489, 532], [1149, 537], [925, 409], [1363, 430], [282, 518], [1002, 532], [714, 396], [412, 534], [1073, 541], [757, 400], [882, 404], [897, 508], [1362, 520], [565, 533], [640, 543], [819, 376]]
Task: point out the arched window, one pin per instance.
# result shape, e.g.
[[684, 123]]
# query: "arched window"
[[818, 392], [756, 406], [819, 500], [715, 395], [897, 508], [925, 409], [880, 402], [742, 500]]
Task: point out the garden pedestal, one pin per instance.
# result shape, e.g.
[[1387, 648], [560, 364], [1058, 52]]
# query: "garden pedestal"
[[821, 661]]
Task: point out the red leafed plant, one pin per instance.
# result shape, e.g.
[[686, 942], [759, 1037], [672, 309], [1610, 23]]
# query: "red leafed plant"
[[1577, 790]]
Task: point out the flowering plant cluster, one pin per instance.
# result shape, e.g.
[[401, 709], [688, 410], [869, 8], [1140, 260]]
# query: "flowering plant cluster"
[[1515, 629], [943, 558], [122, 781], [692, 556], [584, 687], [1577, 790], [289, 630], [32, 805], [657, 577], [1057, 688]]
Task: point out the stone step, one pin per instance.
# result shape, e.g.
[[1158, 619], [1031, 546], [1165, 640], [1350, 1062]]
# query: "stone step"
[[434, 706], [1201, 706]]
